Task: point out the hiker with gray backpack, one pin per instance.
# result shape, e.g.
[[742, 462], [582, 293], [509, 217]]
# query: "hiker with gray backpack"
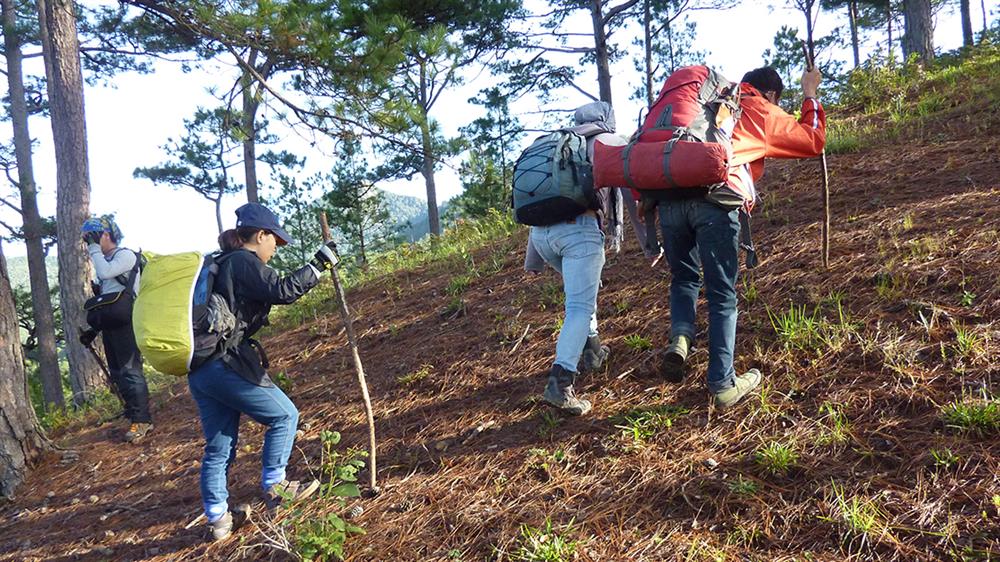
[[109, 312], [554, 194]]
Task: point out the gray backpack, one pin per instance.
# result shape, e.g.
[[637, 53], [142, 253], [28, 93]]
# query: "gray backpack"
[[554, 179]]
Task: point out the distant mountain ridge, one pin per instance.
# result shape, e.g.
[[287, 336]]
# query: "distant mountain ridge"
[[408, 212]]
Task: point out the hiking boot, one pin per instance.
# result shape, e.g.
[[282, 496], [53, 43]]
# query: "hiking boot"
[[137, 431], [232, 520], [559, 392], [594, 355], [674, 362], [742, 384], [288, 491]]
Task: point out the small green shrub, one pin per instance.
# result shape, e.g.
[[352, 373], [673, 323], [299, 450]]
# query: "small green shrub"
[[776, 458], [545, 544], [862, 518], [837, 425], [968, 343], [458, 284], [416, 376], [638, 343], [796, 328], [642, 424], [743, 486], [944, 458], [978, 416]]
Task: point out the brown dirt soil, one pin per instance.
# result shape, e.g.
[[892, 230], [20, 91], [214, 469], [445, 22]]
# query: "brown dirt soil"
[[913, 227]]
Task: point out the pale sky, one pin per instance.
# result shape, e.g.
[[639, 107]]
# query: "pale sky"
[[127, 124]]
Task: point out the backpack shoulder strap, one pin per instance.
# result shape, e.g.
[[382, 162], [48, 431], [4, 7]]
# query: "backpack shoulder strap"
[[128, 279]]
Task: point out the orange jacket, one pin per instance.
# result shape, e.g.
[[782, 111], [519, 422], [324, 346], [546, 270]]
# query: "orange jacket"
[[766, 131]]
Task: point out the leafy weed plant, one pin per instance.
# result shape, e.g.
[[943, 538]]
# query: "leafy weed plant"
[[324, 537]]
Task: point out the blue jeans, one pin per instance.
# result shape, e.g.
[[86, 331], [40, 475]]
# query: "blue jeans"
[[576, 251], [698, 235], [222, 395]]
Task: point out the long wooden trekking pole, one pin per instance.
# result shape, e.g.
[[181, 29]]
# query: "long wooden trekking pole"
[[825, 187], [352, 340]]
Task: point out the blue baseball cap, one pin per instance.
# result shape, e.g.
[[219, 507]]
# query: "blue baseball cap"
[[258, 216]]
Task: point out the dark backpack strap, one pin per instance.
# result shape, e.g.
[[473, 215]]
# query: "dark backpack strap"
[[746, 239], [652, 238]]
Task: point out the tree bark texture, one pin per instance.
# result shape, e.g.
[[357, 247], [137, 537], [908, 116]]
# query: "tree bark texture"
[[61, 49], [919, 30], [427, 147], [601, 51], [21, 439], [41, 301], [966, 9]]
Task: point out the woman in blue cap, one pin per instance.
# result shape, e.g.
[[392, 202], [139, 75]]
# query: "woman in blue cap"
[[237, 382]]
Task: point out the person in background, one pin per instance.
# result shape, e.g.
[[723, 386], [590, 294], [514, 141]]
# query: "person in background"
[[117, 270]]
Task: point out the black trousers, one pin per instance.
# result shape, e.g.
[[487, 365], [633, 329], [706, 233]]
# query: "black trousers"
[[125, 364]]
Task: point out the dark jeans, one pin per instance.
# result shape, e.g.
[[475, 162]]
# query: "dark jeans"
[[125, 365], [698, 235], [222, 395]]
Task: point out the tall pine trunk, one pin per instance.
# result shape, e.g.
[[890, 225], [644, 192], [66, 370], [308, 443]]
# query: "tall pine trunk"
[[852, 16], [41, 300], [966, 9], [919, 36], [21, 439], [888, 27], [601, 51], [61, 49], [647, 44], [248, 122], [427, 149]]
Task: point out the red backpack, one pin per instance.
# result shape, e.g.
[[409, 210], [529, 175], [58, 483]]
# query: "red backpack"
[[684, 142]]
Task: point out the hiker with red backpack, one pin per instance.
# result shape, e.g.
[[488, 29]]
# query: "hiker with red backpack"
[[109, 312], [234, 380], [554, 194], [696, 159]]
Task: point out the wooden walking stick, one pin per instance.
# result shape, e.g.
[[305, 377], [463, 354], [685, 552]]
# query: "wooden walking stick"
[[810, 54], [352, 340]]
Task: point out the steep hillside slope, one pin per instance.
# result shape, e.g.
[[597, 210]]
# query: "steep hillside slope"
[[874, 435]]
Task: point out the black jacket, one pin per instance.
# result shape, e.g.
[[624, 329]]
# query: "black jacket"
[[251, 287]]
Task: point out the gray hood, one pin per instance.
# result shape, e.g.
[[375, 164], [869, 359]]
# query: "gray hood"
[[599, 113]]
